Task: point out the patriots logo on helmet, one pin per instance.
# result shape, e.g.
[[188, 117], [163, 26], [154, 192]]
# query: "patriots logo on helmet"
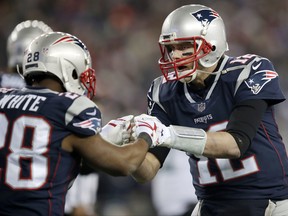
[[71, 39], [259, 79], [93, 124], [205, 16]]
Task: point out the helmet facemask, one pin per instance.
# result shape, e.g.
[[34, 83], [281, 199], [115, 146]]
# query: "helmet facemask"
[[88, 80], [175, 69]]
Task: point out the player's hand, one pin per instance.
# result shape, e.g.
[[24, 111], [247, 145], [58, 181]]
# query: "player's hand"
[[118, 131], [150, 125]]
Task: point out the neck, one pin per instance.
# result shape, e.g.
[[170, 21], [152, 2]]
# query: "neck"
[[199, 81], [50, 84]]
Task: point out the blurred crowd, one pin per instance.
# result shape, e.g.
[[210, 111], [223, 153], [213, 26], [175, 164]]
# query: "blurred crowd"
[[122, 36]]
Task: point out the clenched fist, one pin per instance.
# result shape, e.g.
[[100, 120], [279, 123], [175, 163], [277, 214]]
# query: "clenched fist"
[[118, 131]]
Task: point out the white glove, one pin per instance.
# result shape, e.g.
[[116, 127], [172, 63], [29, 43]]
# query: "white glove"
[[150, 125], [118, 131]]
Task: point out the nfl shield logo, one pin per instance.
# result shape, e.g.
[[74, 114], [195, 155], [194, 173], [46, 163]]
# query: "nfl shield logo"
[[201, 107]]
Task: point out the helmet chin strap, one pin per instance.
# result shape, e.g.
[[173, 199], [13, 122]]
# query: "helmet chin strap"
[[189, 79], [19, 71]]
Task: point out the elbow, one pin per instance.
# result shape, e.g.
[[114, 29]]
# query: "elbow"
[[118, 172], [242, 142], [122, 169], [127, 169]]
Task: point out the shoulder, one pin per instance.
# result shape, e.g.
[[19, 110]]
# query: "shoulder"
[[75, 112], [245, 59], [254, 76], [162, 87], [250, 62], [77, 101], [83, 116], [242, 67]]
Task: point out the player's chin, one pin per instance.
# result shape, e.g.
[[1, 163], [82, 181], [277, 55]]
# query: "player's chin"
[[188, 79]]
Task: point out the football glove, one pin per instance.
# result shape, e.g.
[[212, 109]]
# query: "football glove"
[[150, 125], [118, 131]]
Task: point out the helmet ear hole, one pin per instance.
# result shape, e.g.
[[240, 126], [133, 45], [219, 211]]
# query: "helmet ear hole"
[[74, 74]]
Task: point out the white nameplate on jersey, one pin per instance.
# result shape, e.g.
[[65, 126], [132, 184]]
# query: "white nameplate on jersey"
[[28, 102]]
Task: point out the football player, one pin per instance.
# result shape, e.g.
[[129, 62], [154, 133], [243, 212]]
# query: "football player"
[[219, 109], [50, 125]]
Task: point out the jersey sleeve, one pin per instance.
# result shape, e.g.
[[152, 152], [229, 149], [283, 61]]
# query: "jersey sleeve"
[[156, 109], [154, 105], [83, 117], [261, 82]]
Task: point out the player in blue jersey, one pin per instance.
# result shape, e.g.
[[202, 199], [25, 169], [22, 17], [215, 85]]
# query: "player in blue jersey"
[[48, 127], [220, 110], [17, 42]]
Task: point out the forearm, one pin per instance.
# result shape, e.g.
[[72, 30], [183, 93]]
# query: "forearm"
[[147, 170], [115, 160], [131, 158], [198, 142], [220, 145]]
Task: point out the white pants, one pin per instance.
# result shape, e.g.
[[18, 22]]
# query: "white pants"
[[280, 208], [82, 193]]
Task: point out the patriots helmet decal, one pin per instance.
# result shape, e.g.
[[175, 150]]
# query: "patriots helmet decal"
[[93, 124], [205, 16], [71, 39], [257, 81]]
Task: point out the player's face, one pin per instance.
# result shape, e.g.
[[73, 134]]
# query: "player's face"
[[184, 52], [180, 51]]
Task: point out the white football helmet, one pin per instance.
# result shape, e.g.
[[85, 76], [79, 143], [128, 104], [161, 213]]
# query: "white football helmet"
[[203, 28], [20, 38], [64, 56]]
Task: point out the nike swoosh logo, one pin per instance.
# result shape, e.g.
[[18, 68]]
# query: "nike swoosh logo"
[[92, 113], [256, 66]]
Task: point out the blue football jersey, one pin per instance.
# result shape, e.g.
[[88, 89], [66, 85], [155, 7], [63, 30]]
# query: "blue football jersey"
[[263, 170], [35, 172]]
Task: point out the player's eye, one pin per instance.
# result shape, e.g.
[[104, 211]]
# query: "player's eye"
[[187, 53]]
